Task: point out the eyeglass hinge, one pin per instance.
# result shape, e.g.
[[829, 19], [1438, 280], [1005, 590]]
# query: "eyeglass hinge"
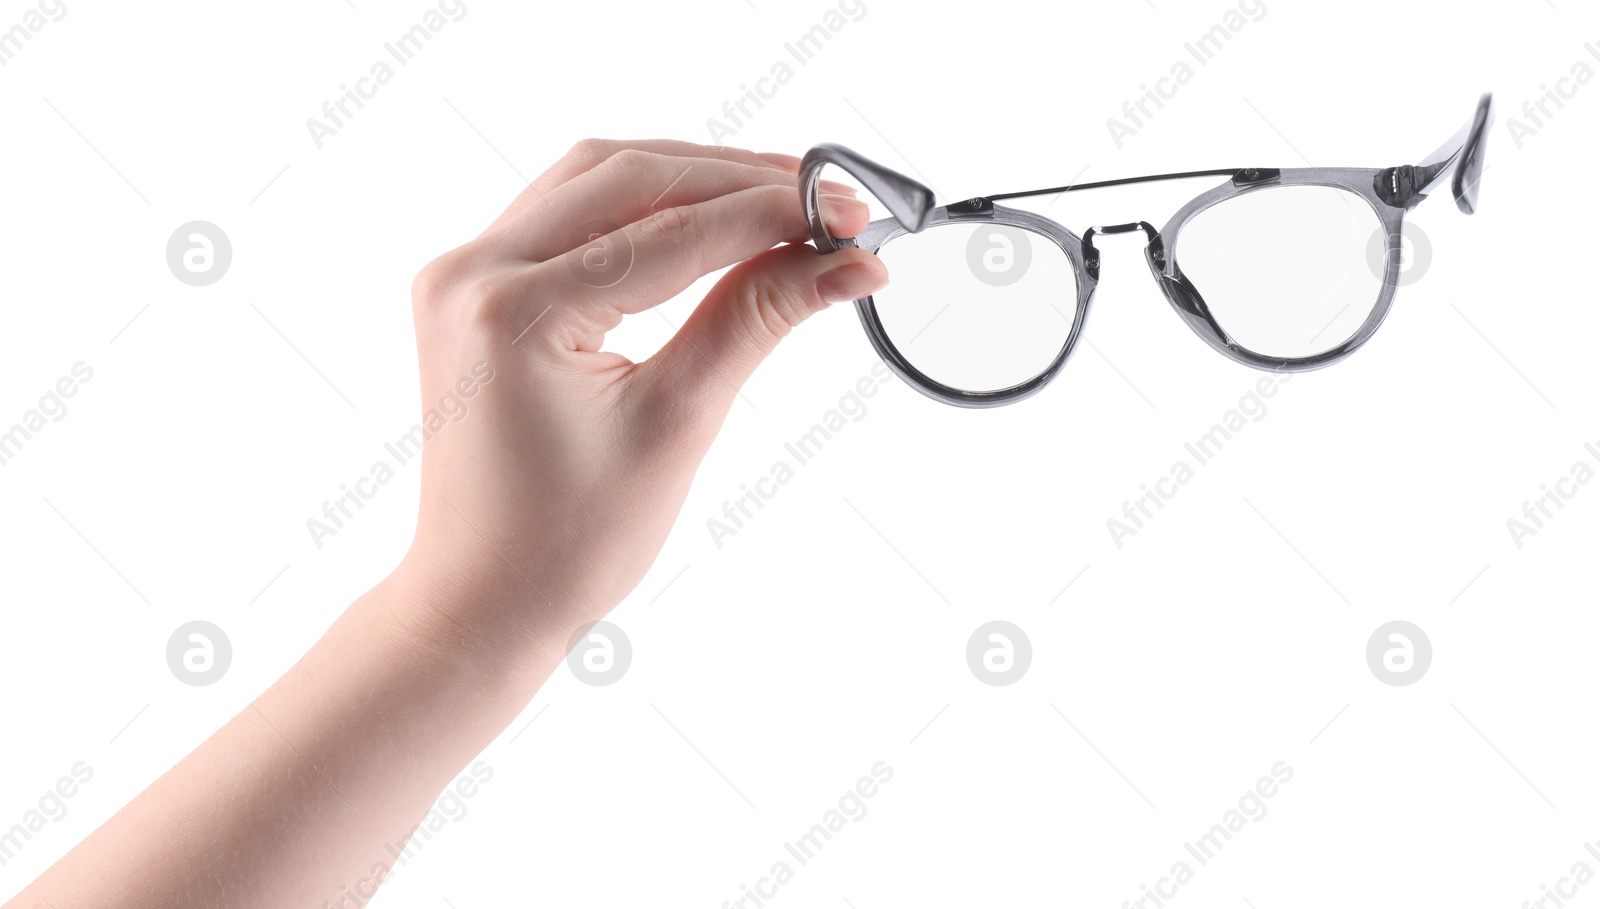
[[1399, 186], [1252, 175], [974, 206]]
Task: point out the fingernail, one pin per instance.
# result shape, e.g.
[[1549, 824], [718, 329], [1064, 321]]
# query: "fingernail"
[[842, 189], [850, 282]]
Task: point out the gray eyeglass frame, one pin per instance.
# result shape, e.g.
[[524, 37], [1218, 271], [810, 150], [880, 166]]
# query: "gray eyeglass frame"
[[1390, 191]]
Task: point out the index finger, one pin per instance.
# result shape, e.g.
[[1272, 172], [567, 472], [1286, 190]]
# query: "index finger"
[[589, 153]]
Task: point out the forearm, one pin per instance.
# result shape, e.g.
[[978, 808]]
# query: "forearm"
[[298, 795], [553, 472]]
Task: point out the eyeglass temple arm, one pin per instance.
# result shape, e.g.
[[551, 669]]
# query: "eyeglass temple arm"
[[1460, 159], [909, 201]]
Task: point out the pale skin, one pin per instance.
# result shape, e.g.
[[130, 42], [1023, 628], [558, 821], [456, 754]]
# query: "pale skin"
[[541, 509]]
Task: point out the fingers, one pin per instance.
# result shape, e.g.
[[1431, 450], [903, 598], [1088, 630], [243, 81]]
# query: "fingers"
[[588, 154], [778, 159], [632, 185], [752, 308], [792, 164], [654, 259]]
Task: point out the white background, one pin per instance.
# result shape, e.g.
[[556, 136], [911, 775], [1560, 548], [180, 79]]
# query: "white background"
[[830, 633]]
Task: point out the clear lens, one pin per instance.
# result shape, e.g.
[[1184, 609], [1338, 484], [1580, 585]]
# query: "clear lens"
[[977, 306], [1284, 270]]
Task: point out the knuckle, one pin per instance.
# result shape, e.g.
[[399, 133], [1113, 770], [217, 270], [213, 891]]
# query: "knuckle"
[[677, 222], [591, 150], [783, 181], [778, 200], [770, 211], [779, 194], [432, 285], [774, 307], [494, 300], [630, 161]]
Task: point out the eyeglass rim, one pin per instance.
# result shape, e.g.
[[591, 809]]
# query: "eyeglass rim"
[[1391, 192], [1161, 255]]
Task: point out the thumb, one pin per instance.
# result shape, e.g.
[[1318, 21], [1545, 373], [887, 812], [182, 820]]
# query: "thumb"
[[753, 307]]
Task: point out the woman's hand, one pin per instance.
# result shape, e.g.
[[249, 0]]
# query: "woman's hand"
[[551, 473], [549, 491]]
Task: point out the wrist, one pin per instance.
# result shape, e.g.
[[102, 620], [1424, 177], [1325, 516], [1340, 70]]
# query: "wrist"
[[454, 610]]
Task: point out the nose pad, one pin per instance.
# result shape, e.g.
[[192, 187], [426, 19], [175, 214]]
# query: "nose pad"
[[1182, 293], [1176, 286]]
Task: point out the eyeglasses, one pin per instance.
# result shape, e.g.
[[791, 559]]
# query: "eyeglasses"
[[1282, 269]]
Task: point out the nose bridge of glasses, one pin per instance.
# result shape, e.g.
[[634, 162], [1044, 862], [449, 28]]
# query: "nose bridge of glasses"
[[1091, 254]]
